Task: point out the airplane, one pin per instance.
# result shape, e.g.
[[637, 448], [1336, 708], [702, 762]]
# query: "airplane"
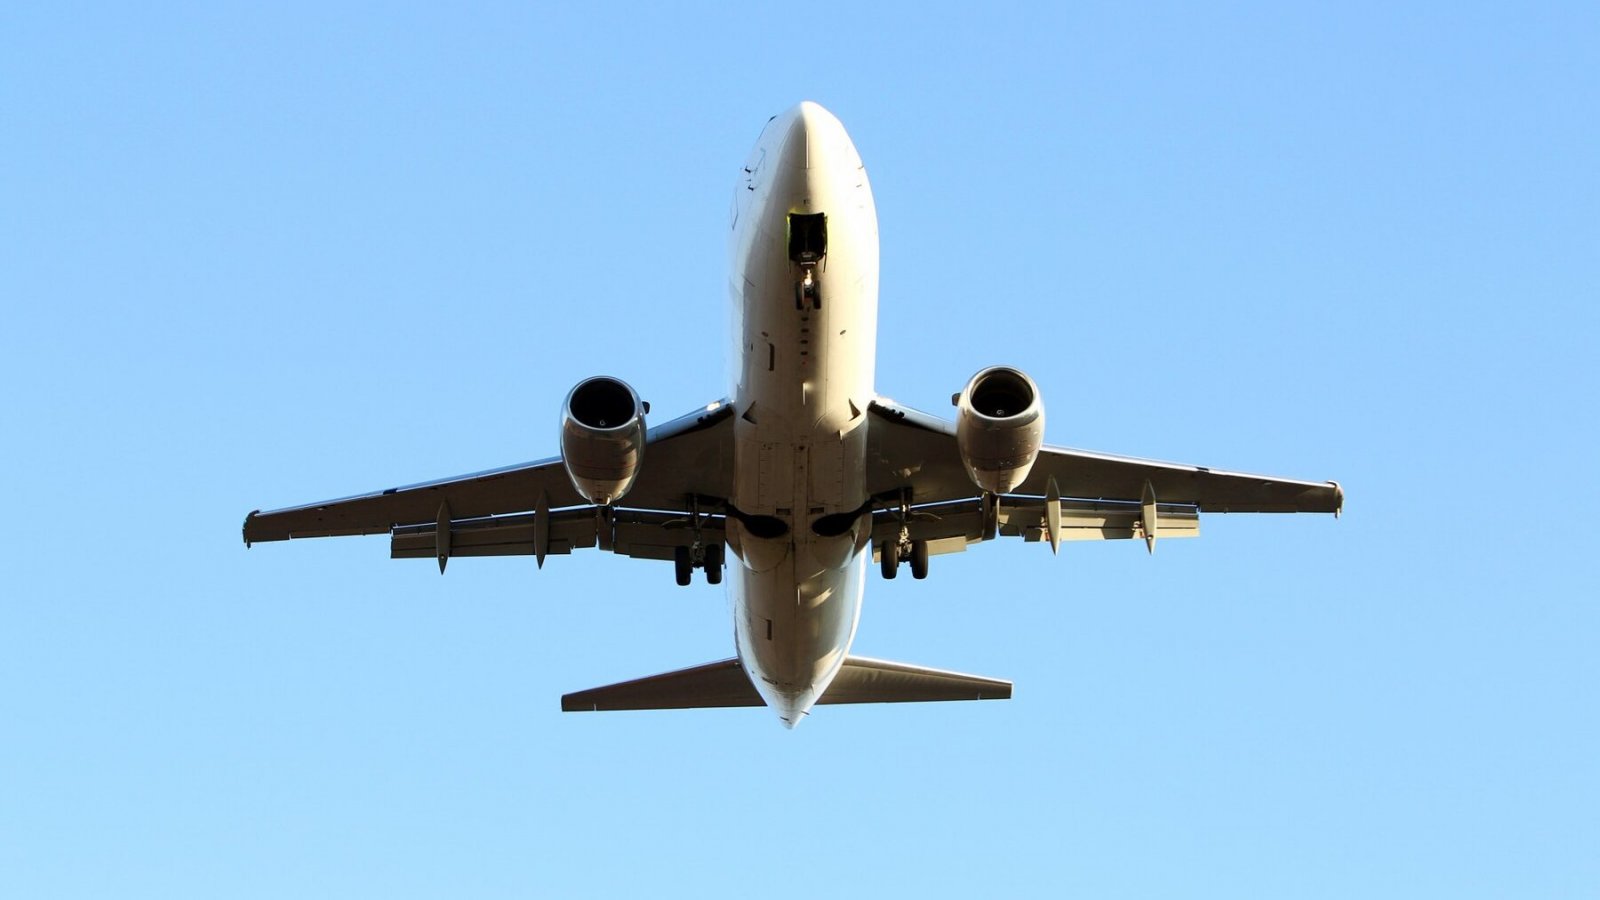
[[804, 475]]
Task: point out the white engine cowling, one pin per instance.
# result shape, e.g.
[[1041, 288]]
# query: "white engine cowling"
[[999, 428], [602, 438]]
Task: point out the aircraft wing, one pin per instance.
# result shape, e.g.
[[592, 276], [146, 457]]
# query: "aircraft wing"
[[1097, 496], [691, 455]]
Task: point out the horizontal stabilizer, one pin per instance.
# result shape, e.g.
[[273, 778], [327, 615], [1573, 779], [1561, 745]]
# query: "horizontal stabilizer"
[[864, 680], [721, 683], [724, 683]]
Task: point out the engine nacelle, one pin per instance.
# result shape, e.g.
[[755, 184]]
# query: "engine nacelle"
[[602, 438], [999, 428]]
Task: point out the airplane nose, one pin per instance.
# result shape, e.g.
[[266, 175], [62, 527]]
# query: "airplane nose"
[[815, 139]]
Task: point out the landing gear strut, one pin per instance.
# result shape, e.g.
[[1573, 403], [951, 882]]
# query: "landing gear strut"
[[894, 549], [991, 516]]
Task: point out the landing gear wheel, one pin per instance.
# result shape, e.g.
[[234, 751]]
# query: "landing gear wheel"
[[889, 556], [682, 565], [713, 564], [807, 292], [919, 560]]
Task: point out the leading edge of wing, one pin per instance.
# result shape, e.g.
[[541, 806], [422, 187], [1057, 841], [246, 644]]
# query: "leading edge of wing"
[[512, 488], [1211, 490], [935, 473], [376, 512]]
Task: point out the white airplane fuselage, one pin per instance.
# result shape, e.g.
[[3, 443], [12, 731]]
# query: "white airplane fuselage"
[[805, 360]]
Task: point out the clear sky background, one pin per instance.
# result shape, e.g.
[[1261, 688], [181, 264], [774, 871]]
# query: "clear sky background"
[[254, 255]]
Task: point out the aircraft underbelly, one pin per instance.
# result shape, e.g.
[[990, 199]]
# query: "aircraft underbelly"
[[800, 454], [802, 388], [794, 626]]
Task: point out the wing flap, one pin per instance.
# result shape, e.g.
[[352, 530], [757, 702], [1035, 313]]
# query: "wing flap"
[[496, 536], [641, 534], [951, 527], [1095, 520]]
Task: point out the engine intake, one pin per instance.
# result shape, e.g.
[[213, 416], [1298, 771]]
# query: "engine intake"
[[602, 438], [999, 428]]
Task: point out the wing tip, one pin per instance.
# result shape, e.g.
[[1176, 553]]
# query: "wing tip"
[[573, 703], [244, 530]]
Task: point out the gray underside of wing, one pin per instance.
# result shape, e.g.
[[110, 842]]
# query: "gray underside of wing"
[[692, 454], [724, 684], [912, 449]]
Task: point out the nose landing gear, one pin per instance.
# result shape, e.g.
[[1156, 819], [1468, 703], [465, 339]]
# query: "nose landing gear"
[[808, 293], [808, 245]]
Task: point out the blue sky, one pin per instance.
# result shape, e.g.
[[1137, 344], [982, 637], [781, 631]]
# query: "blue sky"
[[252, 256]]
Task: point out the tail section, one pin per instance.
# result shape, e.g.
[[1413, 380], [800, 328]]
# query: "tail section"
[[723, 683]]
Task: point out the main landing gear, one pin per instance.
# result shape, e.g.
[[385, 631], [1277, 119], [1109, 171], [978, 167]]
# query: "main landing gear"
[[699, 554], [890, 553], [686, 559], [892, 550]]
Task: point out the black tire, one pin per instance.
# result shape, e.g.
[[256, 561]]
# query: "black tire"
[[889, 556], [714, 564], [683, 566], [919, 560]]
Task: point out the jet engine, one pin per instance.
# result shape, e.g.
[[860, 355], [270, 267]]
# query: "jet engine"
[[602, 438], [999, 427]]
